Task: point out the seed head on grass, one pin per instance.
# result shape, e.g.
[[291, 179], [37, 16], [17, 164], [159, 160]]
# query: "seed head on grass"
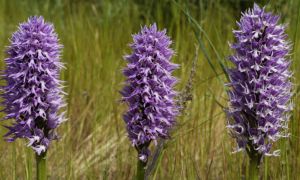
[[260, 82], [33, 93], [149, 89]]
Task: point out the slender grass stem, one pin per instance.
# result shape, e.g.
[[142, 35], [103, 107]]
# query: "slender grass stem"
[[28, 169], [41, 171], [14, 171], [140, 172]]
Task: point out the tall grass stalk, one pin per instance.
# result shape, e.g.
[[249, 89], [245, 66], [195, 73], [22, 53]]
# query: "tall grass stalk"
[[14, 169], [28, 164]]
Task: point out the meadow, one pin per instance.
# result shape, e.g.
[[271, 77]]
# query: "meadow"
[[95, 35]]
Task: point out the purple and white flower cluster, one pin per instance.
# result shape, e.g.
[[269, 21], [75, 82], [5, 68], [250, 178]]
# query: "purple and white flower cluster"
[[149, 89], [33, 93], [260, 82]]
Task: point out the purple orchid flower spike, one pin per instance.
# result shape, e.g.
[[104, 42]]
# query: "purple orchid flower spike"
[[260, 83], [149, 89], [33, 93]]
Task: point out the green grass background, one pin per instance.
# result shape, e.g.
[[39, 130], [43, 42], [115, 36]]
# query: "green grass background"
[[95, 35]]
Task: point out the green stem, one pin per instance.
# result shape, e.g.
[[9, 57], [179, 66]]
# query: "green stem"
[[254, 164], [254, 168], [41, 171], [140, 173]]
